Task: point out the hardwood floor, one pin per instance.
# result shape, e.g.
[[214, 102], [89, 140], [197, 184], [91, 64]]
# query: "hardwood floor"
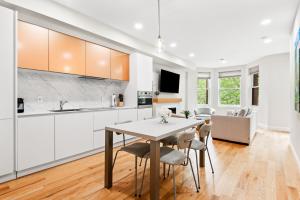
[[264, 170]]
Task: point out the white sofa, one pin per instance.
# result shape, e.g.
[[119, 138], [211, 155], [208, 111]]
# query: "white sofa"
[[234, 128]]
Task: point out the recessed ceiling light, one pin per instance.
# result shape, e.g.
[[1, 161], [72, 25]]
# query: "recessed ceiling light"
[[138, 26], [265, 22], [267, 40], [223, 61], [191, 55], [173, 44]]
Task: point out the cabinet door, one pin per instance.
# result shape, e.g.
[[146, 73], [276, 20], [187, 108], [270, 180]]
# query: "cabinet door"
[[7, 58], [127, 115], [144, 113], [35, 141], [99, 139], [6, 147], [32, 46], [119, 65], [104, 118], [97, 61], [66, 54], [73, 134]]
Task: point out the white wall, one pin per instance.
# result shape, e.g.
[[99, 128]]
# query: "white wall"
[[274, 92], [294, 116]]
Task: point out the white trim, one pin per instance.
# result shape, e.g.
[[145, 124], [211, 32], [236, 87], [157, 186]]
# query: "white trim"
[[297, 158], [8, 177], [278, 128], [262, 126]]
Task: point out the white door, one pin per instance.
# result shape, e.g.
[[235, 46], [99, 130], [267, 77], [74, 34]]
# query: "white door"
[[35, 141], [6, 147], [7, 59], [74, 134]]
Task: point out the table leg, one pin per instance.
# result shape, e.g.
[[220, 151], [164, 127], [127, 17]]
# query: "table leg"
[[108, 159], [202, 154], [154, 169]]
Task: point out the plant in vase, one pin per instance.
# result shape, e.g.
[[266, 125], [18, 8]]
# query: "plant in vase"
[[186, 113], [164, 113]]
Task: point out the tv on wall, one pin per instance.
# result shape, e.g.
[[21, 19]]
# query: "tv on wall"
[[297, 72], [169, 82]]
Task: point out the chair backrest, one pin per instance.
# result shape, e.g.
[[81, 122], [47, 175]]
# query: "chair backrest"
[[185, 139], [205, 130]]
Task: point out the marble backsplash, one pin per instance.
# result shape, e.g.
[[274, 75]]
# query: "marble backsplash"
[[43, 90]]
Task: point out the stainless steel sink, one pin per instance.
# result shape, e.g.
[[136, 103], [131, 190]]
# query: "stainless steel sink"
[[66, 110]]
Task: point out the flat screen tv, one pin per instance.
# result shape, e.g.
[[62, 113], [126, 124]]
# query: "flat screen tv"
[[169, 82]]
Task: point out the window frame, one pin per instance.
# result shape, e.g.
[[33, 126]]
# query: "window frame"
[[207, 91], [252, 87], [219, 89]]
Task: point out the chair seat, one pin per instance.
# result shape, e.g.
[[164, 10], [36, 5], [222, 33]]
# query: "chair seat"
[[138, 149], [171, 156], [197, 145]]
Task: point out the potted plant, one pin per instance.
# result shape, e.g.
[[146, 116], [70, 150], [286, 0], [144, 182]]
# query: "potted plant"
[[186, 113]]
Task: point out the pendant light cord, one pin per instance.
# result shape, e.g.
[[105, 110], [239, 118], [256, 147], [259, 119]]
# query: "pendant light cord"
[[158, 18]]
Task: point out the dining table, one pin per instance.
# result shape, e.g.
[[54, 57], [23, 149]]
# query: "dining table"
[[152, 130]]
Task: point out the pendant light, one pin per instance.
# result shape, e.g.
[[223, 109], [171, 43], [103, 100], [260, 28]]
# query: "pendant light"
[[159, 39]]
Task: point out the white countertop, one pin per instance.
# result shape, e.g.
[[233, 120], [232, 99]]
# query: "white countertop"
[[152, 129], [82, 110]]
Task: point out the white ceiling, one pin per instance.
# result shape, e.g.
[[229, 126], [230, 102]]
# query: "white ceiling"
[[211, 29]]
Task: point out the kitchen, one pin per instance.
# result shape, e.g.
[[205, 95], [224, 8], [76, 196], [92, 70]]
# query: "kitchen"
[[69, 86]]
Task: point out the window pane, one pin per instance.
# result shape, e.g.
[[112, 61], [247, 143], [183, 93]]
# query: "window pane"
[[255, 80], [202, 96], [255, 95], [230, 82], [202, 83], [230, 96]]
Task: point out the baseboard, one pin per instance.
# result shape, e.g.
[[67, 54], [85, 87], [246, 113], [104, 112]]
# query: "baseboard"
[[273, 128], [8, 177], [262, 126], [297, 158], [280, 129]]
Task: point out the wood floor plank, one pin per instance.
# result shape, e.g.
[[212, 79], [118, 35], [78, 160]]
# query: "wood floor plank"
[[264, 170]]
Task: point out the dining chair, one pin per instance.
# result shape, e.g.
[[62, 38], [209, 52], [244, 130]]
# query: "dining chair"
[[174, 157], [201, 146], [138, 149]]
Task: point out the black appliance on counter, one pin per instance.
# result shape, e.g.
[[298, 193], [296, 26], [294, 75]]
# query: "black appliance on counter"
[[20, 105], [144, 99]]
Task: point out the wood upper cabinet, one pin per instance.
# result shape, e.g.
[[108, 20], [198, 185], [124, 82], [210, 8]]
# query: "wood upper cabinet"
[[97, 61], [66, 54], [32, 46], [119, 65]]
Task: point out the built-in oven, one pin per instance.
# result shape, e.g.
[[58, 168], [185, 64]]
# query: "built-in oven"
[[144, 99]]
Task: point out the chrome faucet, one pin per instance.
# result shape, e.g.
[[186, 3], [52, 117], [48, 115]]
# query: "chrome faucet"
[[61, 104]]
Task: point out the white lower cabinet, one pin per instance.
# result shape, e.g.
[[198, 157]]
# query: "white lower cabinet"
[[6, 147], [99, 139], [35, 141], [74, 134], [124, 116], [145, 113]]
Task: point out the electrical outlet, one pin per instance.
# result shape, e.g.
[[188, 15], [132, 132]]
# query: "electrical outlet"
[[40, 99]]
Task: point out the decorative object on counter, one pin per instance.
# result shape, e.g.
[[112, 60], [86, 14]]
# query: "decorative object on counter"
[[156, 93], [113, 100], [20, 105], [186, 113], [165, 113], [121, 100]]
